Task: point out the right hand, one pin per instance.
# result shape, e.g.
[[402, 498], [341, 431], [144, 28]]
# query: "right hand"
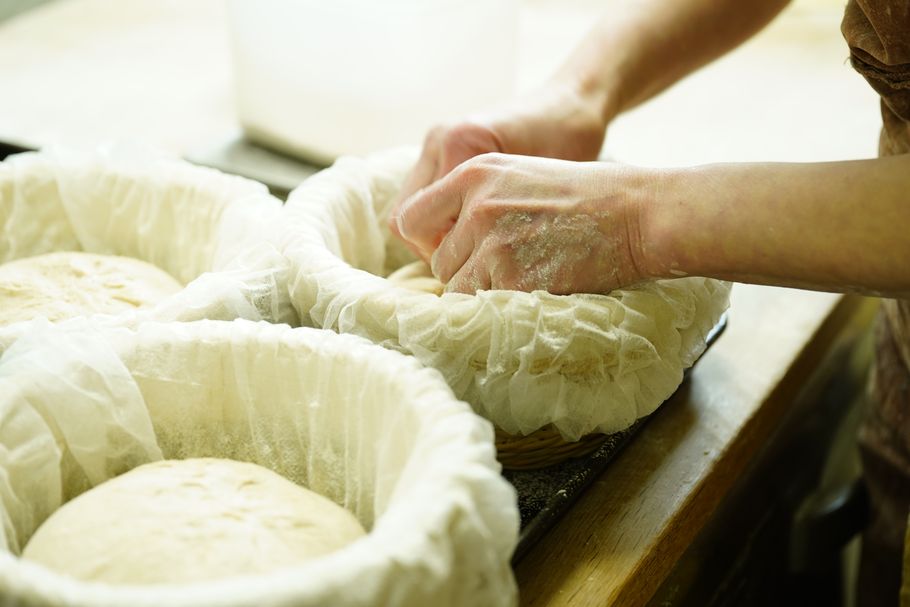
[[557, 121], [503, 221]]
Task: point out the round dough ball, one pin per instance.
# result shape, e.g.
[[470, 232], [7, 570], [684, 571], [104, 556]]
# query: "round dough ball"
[[417, 276], [179, 521], [68, 284]]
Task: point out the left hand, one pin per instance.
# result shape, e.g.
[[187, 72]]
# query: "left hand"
[[500, 221], [559, 120]]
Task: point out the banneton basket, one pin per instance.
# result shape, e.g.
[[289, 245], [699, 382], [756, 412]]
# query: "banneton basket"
[[207, 229], [546, 369], [367, 427], [542, 448]]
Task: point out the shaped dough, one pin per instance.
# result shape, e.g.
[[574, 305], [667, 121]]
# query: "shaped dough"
[[208, 230], [417, 276], [179, 521], [581, 363], [68, 284]]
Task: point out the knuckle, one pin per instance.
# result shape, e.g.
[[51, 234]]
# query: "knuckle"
[[454, 135], [463, 130], [493, 159], [482, 166], [482, 211], [468, 173]]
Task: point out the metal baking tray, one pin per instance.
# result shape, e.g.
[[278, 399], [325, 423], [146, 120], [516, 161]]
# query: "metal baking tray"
[[545, 494]]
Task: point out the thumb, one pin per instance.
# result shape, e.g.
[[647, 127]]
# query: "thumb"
[[426, 217]]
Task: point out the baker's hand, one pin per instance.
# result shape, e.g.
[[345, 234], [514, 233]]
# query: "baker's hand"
[[556, 122], [517, 222]]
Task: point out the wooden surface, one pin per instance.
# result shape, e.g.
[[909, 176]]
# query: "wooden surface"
[[86, 71], [621, 539]]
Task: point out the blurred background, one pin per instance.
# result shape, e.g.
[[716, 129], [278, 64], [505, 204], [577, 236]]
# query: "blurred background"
[[315, 79]]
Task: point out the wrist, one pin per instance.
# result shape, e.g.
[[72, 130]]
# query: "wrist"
[[675, 239], [558, 120], [624, 209], [595, 93], [655, 203], [590, 94], [643, 222]]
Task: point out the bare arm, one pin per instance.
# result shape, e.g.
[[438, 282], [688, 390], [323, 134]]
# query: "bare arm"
[[518, 222], [835, 226], [642, 47], [634, 52]]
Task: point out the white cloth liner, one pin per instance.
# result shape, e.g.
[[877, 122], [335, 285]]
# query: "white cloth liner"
[[583, 363], [201, 226], [367, 427]]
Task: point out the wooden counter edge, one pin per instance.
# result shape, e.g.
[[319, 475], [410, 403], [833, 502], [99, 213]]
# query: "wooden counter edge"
[[549, 566]]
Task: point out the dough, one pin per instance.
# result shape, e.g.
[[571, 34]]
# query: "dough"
[[68, 284], [417, 276], [582, 363], [178, 521]]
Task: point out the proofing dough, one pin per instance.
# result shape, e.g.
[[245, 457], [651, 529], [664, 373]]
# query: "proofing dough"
[[68, 284], [178, 521], [582, 363], [417, 276]]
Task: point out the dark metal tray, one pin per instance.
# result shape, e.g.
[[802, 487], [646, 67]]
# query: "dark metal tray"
[[545, 494]]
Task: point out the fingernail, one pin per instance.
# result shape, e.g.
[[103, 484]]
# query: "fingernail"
[[400, 225], [402, 211]]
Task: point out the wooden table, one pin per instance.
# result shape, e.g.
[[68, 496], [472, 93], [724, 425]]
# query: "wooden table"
[[619, 542], [82, 71]]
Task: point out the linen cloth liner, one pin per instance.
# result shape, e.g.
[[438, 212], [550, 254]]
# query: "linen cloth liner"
[[584, 363], [367, 427], [207, 229]]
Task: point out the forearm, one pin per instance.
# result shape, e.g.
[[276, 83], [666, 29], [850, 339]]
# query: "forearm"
[[644, 46], [840, 226]]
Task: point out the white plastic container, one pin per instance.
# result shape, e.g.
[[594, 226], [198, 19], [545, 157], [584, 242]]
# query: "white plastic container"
[[324, 78]]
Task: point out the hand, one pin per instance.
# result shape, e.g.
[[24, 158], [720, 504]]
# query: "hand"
[[524, 223], [557, 122]]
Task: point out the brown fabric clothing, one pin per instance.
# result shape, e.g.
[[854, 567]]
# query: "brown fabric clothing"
[[905, 574], [878, 34], [884, 446]]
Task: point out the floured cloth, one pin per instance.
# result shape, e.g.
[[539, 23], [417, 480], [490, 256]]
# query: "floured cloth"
[[206, 229], [878, 33], [583, 363], [366, 427]]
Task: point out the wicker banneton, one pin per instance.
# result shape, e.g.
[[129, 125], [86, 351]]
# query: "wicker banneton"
[[542, 448], [546, 446], [206, 229], [395, 447], [554, 373]]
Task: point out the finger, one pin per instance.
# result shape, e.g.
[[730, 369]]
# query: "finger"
[[418, 253], [420, 176], [454, 250], [424, 172], [471, 277], [426, 217], [461, 142]]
